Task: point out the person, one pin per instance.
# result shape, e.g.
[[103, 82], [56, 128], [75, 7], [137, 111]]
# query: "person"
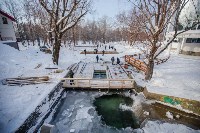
[[118, 61], [103, 52], [97, 57], [71, 75], [113, 59], [105, 47], [85, 51], [109, 46], [1, 37]]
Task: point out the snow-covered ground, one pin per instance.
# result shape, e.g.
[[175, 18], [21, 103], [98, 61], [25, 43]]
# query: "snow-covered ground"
[[180, 76]]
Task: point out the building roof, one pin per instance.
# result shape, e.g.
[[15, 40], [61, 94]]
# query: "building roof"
[[7, 15]]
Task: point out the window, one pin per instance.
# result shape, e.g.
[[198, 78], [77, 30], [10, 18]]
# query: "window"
[[198, 40], [193, 40], [188, 40], [198, 26], [5, 21]]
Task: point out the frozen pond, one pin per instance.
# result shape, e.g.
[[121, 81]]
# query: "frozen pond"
[[111, 112], [77, 113]]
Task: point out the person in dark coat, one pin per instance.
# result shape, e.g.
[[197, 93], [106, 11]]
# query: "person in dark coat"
[[1, 37], [113, 59], [97, 57], [118, 61], [85, 51], [105, 47], [103, 52], [71, 75]]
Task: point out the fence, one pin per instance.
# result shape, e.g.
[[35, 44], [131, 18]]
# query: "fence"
[[98, 83], [136, 63]]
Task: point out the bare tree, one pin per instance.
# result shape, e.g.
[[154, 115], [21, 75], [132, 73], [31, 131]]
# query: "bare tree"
[[104, 26], [65, 14], [153, 17]]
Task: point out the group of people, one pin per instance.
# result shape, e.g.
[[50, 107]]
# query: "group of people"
[[113, 60], [103, 51]]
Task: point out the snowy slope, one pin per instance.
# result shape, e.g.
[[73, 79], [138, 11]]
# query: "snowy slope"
[[179, 76]]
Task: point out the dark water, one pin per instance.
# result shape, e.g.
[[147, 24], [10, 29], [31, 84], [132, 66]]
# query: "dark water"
[[99, 74], [107, 107]]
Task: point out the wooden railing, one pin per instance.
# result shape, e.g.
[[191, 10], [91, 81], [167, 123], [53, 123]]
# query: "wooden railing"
[[98, 83], [136, 63]]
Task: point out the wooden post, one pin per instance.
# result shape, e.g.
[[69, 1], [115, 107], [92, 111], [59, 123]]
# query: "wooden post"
[[76, 82], [89, 83]]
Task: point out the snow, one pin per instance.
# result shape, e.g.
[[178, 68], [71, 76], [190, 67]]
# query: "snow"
[[169, 115], [124, 107], [72, 130], [179, 76], [159, 127], [146, 113]]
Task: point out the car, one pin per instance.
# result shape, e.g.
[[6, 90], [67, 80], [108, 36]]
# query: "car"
[[45, 49]]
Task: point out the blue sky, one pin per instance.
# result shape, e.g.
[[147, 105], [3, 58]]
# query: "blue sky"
[[109, 8]]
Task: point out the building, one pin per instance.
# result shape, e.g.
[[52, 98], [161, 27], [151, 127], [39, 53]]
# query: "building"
[[7, 31], [188, 42]]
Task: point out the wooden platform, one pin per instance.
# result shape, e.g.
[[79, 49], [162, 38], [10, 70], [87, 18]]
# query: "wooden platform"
[[98, 83], [100, 52]]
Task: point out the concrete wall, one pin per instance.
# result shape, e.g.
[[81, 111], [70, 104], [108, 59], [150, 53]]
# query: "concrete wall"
[[7, 30], [187, 104]]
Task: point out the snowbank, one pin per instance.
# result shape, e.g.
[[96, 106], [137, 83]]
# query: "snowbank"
[[159, 127]]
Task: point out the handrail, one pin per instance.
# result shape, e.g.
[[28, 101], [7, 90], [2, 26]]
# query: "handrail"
[[136, 63], [97, 79], [98, 83]]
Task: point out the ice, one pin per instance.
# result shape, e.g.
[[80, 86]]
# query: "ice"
[[177, 116], [158, 127], [125, 107], [169, 115], [72, 130], [83, 114], [146, 113]]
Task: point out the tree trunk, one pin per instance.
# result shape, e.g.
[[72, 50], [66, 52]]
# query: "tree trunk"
[[56, 49], [74, 36], [150, 66]]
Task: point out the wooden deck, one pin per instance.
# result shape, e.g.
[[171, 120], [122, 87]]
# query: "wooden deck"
[[98, 83]]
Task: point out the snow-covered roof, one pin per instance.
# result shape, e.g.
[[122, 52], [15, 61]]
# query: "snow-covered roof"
[[7, 15]]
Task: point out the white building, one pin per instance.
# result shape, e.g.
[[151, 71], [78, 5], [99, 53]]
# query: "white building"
[[189, 41], [7, 31]]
